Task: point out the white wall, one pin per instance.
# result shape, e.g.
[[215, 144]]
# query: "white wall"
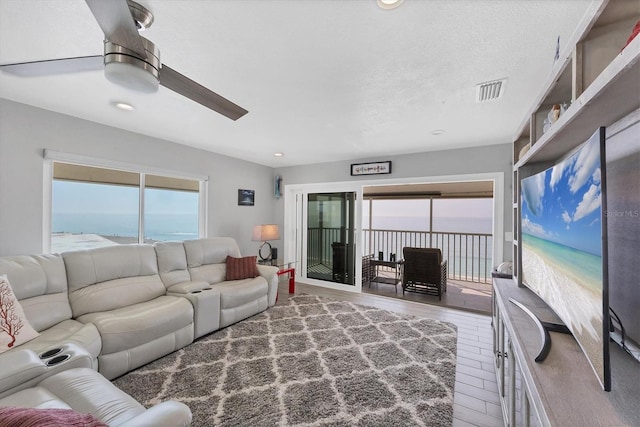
[[494, 158], [25, 131]]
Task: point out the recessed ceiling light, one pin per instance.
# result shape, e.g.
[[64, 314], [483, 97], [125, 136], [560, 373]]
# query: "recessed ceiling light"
[[437, 132], [123, 106], [278, 154], [389, 4]]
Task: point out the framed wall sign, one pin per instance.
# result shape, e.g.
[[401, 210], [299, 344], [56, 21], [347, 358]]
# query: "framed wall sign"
[[246, 197], [374, 168]]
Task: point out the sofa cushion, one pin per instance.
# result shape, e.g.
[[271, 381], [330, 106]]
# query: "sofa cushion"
[[241, 268], [40, 283], [210, 251], [115, 294], [172, 263], [133, 325], [210, 273], [14, 326], [239, 292], [112, 277], [86, 391], [99, 265]]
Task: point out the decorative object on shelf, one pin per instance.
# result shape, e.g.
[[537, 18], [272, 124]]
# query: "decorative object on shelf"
[[246, 197], [277, 187], [524, 150], [392, 257], [263, 233], [374, 168], [634, 33], [554, 114], [380, 256]]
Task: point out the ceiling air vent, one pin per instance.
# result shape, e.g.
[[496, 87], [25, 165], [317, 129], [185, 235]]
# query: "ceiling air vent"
[[488, 91]]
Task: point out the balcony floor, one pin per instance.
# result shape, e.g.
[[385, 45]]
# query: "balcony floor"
[[469, 296]]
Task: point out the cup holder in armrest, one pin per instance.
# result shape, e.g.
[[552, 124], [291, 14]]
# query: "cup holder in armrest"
[[58, 359], [50, 353]]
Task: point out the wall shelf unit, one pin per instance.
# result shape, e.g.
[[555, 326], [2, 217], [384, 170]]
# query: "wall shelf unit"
[[596, 80]]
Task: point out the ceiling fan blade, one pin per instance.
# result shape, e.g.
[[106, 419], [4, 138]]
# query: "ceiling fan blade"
[[55, 66], [118, 26], [183, 85]]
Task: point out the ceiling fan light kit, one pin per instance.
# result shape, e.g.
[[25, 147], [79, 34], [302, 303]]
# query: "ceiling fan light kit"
[[389, 4], [125, 68], [129, 60]]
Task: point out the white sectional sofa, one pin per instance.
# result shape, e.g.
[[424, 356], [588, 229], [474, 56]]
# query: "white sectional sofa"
[[118, 289], [116, 308], [40, 284]]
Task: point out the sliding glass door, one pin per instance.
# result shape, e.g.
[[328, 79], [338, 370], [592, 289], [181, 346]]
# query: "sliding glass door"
[[331, 237]]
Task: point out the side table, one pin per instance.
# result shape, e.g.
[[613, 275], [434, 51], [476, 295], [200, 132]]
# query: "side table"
[[291, 271], [396, 266], [285, 268]]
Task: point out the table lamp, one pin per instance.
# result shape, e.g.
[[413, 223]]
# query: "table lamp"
[[263, 233]]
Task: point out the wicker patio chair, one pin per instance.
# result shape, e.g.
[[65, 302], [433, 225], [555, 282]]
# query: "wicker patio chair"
[[424, 271], [368, 271]]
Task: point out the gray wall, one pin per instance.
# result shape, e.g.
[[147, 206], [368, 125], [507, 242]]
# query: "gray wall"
[[25, 131], [494, 158]]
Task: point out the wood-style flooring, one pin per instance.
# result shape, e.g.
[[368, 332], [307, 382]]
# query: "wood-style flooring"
[[476, 401], [468, 296]]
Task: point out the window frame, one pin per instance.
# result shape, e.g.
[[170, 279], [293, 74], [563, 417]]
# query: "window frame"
[[51, 157]]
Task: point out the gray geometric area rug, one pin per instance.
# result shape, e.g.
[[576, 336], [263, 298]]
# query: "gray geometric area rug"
[[310, 361]]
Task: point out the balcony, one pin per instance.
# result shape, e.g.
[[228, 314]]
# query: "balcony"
[[468, 254]]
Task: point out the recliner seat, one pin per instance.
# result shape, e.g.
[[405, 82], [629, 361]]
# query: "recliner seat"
[[119, 290]]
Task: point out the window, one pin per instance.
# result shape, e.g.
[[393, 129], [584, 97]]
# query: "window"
[[95, 206]]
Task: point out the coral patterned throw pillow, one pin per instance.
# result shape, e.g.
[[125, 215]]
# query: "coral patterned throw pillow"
[[14, 326]]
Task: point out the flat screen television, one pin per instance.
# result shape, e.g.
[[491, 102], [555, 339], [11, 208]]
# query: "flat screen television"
[[563, 244]]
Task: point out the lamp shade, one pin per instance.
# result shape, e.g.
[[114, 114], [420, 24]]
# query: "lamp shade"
[[264, 232]]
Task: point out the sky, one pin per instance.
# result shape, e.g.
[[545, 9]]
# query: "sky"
[[457, 208], [79, 197], [450, 215], [563, 203]]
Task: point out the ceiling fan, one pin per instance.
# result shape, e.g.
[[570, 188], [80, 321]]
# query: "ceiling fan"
[[129, 59]]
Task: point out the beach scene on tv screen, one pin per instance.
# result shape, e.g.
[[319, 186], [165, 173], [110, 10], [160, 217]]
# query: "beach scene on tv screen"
[[562, 245]]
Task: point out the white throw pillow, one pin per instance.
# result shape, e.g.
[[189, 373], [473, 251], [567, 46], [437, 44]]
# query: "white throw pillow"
[[14, 326]]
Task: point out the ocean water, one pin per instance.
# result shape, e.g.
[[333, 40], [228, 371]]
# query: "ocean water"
[[442, 224], [161, 227], [583, 267], [466, 255]]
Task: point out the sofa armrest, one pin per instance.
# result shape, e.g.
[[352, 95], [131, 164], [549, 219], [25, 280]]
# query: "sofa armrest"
[[19, 366], [188, 287], [169, 413], [267, 271], [270, 273]]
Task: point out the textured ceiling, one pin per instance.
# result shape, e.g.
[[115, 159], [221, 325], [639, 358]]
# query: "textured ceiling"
[[322, 80]]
